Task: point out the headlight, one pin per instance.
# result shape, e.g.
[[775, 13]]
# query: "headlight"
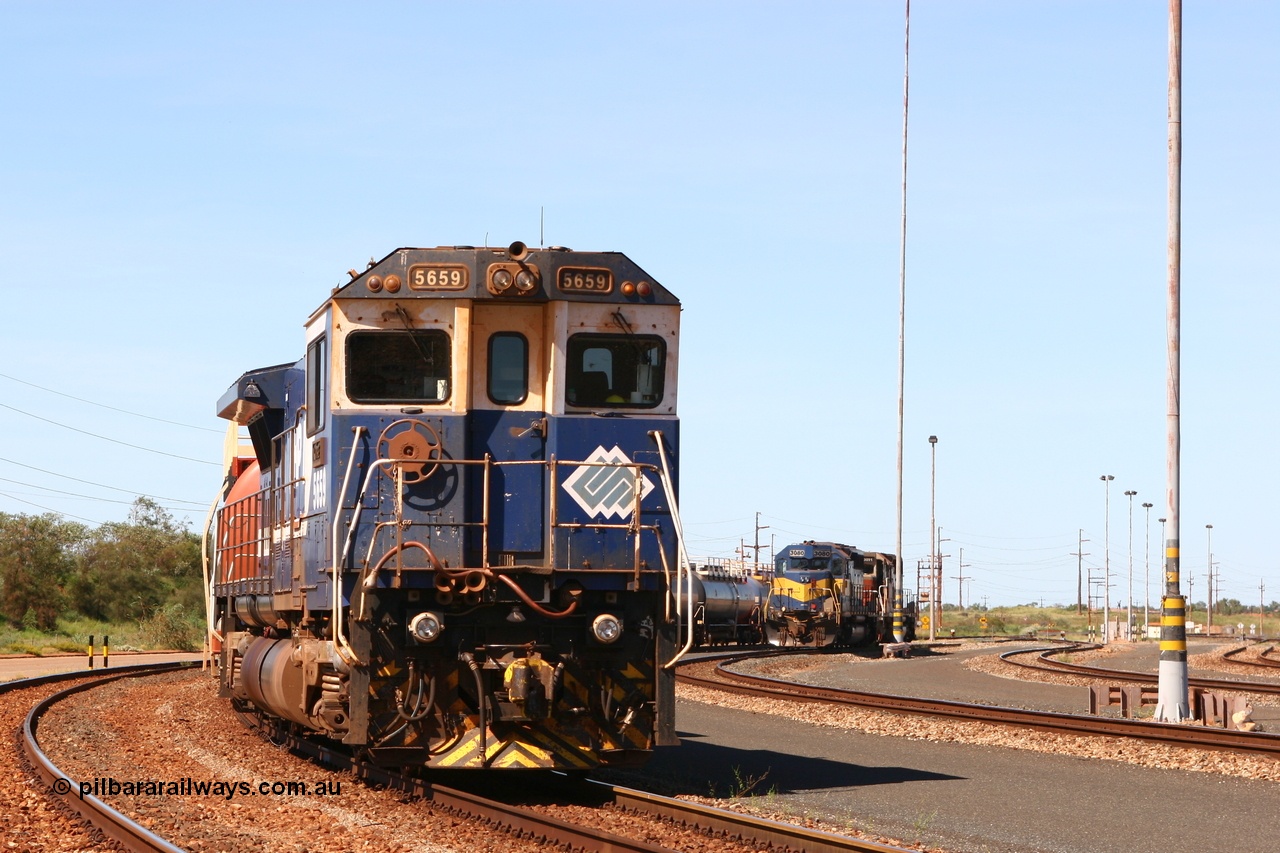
[[606, 628], [526, 281], [425, 627], [501, 280]]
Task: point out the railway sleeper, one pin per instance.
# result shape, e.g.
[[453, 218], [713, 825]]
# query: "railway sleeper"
[[1209, 707]]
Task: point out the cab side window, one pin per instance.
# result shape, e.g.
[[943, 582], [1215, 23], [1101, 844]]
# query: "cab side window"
[[508, 376], [615, 371], [317, 385], [398, 366]]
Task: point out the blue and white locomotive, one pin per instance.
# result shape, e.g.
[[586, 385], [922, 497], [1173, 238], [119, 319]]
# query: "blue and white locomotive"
[[455, 539]]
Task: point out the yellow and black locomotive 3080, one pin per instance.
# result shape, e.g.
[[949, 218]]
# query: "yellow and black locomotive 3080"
[[451, 538], [825, 593]]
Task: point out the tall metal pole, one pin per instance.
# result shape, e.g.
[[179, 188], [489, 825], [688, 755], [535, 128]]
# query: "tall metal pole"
[[1171, 704], [1209, 581], [1106, 561], [1080, 555], [960, 579], [899, 634], [1146, 586], [1129, 613], [933, 538]]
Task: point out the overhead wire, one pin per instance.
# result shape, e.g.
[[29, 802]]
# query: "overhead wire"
[[105, 406], [105, 438], [47, 509], [99, 485], [87, 497]]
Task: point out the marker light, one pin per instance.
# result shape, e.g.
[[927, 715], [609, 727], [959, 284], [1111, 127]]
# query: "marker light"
[[526, 281], [606, 628], [426, 627], [374, 283], [642, 288], [392, 284], [628, 288]]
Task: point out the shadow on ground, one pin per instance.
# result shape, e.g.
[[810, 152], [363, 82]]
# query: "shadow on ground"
[[704, 769]]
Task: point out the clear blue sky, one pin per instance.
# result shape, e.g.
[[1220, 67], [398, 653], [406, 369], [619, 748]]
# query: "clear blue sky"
[[181, 184]]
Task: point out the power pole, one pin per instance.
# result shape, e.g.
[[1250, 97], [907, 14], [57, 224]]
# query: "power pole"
[[960, 579], [1209, 582], [937, 576], [934, 588], [757, 545], [1080, 554]]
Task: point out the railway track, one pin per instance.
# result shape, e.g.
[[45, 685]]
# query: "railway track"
[[105, 819], [714, 674], [1263, 660], [718, 829], [1046, 661], [749, 832]]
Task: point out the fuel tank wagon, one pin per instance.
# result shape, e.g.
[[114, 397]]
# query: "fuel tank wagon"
[[451, 538]]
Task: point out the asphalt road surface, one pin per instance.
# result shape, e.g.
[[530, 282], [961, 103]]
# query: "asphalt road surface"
[[965, 798]]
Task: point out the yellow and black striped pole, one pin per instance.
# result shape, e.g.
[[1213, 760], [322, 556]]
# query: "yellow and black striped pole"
[[1171, 703], [106, 641], [91, 651]]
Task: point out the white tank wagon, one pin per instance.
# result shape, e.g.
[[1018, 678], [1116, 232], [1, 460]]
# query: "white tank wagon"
[[728, 606]]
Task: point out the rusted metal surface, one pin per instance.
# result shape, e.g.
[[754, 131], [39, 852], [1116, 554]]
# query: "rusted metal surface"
[[1197, 737]]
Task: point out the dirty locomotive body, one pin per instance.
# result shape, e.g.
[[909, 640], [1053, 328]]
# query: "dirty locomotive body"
[[826, 593], [452, 540]]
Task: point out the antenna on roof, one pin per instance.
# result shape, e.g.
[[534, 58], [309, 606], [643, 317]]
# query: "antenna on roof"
[[542, 218]]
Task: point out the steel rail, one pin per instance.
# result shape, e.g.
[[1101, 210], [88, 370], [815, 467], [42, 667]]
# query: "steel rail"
[[1262, 661], [531, 823], [132, 836], [1195, 737], [752, 830], [1222, 684], [520, 821]]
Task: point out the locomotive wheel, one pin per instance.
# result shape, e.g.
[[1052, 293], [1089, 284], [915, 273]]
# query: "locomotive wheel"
[[414, 445]]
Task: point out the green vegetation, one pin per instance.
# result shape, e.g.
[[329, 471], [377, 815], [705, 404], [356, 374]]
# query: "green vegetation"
[[138, 581], [1048, 622]]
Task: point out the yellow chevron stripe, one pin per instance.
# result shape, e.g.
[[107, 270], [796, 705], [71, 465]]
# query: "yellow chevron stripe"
[[515, 758], [632, 673], [525, 749]]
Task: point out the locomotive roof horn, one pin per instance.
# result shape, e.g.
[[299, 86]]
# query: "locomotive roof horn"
[[517, 251]]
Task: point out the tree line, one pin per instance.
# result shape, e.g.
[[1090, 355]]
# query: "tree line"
[[117, 572]]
